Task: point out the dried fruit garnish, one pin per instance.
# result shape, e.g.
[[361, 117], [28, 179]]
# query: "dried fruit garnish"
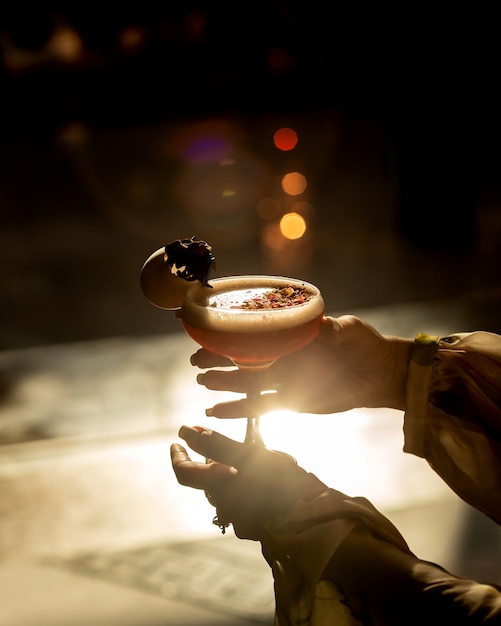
[[277, 299], [190, 259]]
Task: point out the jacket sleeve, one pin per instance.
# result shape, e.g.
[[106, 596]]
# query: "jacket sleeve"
[[453, 417], [337, 561]]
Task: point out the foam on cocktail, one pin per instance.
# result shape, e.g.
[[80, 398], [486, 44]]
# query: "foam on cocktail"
[[252, 320], [241, 304]]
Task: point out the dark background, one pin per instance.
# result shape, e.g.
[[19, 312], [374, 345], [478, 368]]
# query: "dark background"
[[386, 95]]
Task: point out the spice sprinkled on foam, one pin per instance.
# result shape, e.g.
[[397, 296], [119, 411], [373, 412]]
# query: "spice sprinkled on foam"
[[262, 299]]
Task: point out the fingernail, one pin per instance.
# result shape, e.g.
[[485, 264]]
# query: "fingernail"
[[193, 359], [191, 433], [200, 379], [188, 433], [209, 412]]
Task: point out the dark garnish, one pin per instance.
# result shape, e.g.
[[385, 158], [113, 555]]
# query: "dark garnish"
[[190, 259]]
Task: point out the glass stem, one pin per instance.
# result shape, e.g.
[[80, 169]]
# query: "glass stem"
[[253, 434], [255, 376]]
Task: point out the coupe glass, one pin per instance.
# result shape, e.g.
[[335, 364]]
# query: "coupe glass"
[[252, 320]]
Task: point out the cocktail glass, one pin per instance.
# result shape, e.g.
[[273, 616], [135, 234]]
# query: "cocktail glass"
[[253, 320]]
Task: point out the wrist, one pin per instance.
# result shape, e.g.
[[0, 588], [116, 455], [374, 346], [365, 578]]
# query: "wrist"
[[402, 349], [305, 489]]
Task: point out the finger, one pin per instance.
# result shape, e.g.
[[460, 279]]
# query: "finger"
[[215, 446], [203, 359], [328, 324], [223, 380], [179, 456], [188, 472], [234, 409]]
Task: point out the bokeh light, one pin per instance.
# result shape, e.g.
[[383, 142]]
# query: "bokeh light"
[[66, 45], [292, 226], [207, 141], [219, 183], [206, 148], [285, 139], [132, 38], [294, 183]]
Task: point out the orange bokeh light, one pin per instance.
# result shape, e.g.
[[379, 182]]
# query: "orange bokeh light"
[[294, 183], [66, 44], [292, 226]]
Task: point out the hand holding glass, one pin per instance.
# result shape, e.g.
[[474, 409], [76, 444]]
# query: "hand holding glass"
[[252, 320]]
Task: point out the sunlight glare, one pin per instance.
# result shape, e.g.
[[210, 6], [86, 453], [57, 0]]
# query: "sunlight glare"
[[358, 452], [322, 444]]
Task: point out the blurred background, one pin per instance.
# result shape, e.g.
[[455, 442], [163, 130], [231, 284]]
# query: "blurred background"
[[124, 129], [355, 145]]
